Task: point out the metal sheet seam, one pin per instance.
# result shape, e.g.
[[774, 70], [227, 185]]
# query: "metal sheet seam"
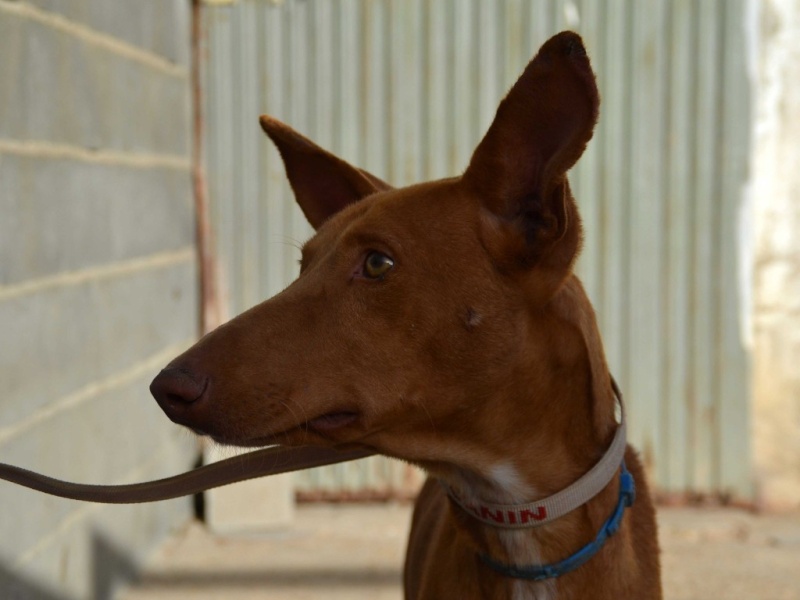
[[92, 390], [96, 38], [116, 269], [140, 160]]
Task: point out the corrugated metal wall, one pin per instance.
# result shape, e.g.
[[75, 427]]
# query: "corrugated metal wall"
[[406, 88]]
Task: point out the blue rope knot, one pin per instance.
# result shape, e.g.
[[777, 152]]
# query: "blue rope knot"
[[627, 495]]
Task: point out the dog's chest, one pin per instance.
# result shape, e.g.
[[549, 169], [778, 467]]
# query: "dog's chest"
[[520, 545], [504, 484], [525, 590]]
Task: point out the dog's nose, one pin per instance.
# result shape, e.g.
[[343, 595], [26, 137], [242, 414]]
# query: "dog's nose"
[[175, 388]]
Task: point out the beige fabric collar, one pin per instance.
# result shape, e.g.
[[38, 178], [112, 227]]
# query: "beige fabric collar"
[[534, 514]]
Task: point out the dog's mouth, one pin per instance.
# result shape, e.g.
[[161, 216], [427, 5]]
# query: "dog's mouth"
[[323, 426], [332, 421]]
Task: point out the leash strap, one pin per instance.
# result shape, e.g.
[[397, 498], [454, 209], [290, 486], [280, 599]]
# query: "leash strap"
[[534, 514], [277, 459], [627, 494], [258, 463]]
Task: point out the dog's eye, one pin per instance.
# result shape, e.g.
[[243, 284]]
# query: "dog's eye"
[[376, 265]]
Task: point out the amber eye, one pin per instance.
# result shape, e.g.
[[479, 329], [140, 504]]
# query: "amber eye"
[[376, 265]]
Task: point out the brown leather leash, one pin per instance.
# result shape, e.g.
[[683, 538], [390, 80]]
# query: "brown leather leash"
[[257, 463]]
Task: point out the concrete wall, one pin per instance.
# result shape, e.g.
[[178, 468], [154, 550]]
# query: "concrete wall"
[[97, 278], [776, 207]]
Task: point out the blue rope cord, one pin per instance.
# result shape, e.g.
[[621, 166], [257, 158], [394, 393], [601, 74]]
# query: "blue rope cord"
[[627, 494]]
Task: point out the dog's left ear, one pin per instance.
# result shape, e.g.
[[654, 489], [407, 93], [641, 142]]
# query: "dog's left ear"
[[323, 183], [519, 168]]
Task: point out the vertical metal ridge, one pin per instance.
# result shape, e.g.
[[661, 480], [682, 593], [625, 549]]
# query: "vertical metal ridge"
[[705, 138], [735, 440], [622, 304], [714, 482], [587, 179], [690, 217], [676, 285]]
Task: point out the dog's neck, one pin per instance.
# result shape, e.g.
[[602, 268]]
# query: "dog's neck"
[[554, 426], [505, 484], [526, 467]]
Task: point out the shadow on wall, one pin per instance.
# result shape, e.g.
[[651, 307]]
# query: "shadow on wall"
[[324, 578], [14, 587], [111, 568]]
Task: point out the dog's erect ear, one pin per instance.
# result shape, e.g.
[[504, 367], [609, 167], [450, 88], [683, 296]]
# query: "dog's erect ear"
[[323, 183], [519, 168]]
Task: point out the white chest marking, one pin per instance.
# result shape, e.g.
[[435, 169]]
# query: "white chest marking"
[[507, 482], [511, 489], [543, 590]]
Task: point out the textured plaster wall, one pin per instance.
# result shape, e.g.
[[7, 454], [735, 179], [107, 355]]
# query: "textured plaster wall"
[[97, 279], [776, 204]]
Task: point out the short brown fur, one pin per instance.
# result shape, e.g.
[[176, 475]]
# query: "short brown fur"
[[475, 355]]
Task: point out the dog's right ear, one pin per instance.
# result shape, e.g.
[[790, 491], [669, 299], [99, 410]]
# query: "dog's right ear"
[[519, 168], [323, 183]]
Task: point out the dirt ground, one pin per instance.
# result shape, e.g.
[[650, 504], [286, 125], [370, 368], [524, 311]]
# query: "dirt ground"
[[355, 552]]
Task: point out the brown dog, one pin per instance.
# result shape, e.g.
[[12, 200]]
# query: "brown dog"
[[442, 324]]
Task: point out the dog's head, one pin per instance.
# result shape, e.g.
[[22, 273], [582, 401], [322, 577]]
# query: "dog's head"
[[420, 312]]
